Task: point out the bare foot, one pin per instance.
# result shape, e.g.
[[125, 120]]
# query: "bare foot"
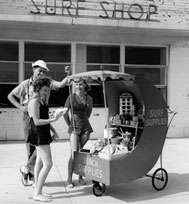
[[41, 198], [81, 181], [48, 195], [70, 184]]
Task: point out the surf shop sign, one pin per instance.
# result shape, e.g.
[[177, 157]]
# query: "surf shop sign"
[[95, 9]]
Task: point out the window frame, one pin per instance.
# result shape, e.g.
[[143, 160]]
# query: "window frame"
[[162, 87], [103, 65], [14, 62]]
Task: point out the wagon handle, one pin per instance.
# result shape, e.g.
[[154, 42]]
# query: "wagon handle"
[[171, 111], [174, 113]]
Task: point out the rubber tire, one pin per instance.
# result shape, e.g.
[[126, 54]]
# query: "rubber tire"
[[98, 188], [160, 176]]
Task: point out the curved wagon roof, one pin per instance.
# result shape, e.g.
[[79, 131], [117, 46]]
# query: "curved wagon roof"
[[101, 76]]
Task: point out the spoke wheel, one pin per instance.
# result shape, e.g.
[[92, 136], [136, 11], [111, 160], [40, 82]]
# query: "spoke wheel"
[[160, 179], [98, 188]]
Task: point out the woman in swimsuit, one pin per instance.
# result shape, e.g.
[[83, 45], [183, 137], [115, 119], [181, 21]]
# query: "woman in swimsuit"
[[80, 104], [40, 135]]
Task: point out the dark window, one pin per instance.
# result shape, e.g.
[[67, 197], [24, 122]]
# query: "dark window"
[[149, 63], [103, 57], [96, 93], [8, 51], [58, 98], [8, 70], [48, 52], [5, 89], [155, 75], [144, 55], [103, 54], [9, 62]]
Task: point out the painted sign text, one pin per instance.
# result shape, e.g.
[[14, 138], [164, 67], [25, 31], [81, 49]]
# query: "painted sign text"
[[156, 117], [90, 166], [97, 9]]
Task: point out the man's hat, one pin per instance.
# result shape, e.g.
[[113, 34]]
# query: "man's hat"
[[40, 63]]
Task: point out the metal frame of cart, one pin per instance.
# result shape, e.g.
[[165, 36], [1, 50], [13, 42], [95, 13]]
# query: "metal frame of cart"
[[125, 168]]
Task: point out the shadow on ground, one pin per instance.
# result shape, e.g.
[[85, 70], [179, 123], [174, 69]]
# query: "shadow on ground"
[[142, 189], [137, 191]]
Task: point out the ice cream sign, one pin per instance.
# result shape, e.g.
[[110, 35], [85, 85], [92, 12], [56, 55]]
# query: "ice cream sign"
[[156, 117]]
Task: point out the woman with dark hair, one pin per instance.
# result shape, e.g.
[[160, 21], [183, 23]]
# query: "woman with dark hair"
[[40, 134], [80, 104]]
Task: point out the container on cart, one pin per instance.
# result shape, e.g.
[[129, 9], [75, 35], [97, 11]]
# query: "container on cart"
[[149, 134]]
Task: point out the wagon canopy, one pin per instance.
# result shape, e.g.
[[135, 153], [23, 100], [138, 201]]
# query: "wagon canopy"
[[97, 76]]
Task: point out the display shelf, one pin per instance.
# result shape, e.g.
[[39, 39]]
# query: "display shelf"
[[129, 126]]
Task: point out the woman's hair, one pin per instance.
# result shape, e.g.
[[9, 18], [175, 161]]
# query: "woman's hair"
[[40, 82], [87, 87]]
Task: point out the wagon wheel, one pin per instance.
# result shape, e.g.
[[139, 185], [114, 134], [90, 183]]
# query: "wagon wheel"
[[98, 188], [159, 179]]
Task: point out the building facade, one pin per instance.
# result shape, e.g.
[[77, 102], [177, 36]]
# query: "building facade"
[[147, 37]]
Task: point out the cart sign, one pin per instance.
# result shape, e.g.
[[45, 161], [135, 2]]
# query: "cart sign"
[[91, 167], [156, 117]]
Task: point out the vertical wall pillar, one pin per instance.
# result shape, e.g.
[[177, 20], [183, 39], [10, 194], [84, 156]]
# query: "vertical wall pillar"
[[81, 58], [122, 57], [21, 52], [73, 57]]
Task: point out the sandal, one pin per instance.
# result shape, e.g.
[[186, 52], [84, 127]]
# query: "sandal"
[[24, 175]]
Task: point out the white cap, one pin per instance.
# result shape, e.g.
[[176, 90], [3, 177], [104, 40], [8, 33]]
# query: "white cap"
[[40, 63]]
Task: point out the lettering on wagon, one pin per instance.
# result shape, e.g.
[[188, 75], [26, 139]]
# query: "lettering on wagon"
[[90, 166], [156, 117], [100, 9], [89, 170]]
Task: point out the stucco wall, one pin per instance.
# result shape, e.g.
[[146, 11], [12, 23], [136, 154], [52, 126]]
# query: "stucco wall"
[[179, 89], [11, 124], [169, 11]]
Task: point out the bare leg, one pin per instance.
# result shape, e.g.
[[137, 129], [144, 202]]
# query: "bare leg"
[[70, 173], [44, 154], [83, 140], [74, 147], [37, 169], [32, 160]]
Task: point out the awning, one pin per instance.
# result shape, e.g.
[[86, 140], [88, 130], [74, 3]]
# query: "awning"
[[103, 75]]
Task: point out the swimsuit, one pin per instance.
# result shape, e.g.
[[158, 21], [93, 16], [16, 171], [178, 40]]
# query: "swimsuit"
[[40, 135]]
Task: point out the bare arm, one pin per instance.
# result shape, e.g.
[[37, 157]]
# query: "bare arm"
[[67, 118], [61, 84], [67, 105], [90, 101], [52, 129], [55, 136], [15, 102]]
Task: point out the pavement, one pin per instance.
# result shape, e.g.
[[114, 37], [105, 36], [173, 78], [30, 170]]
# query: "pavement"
[[175, 161]]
